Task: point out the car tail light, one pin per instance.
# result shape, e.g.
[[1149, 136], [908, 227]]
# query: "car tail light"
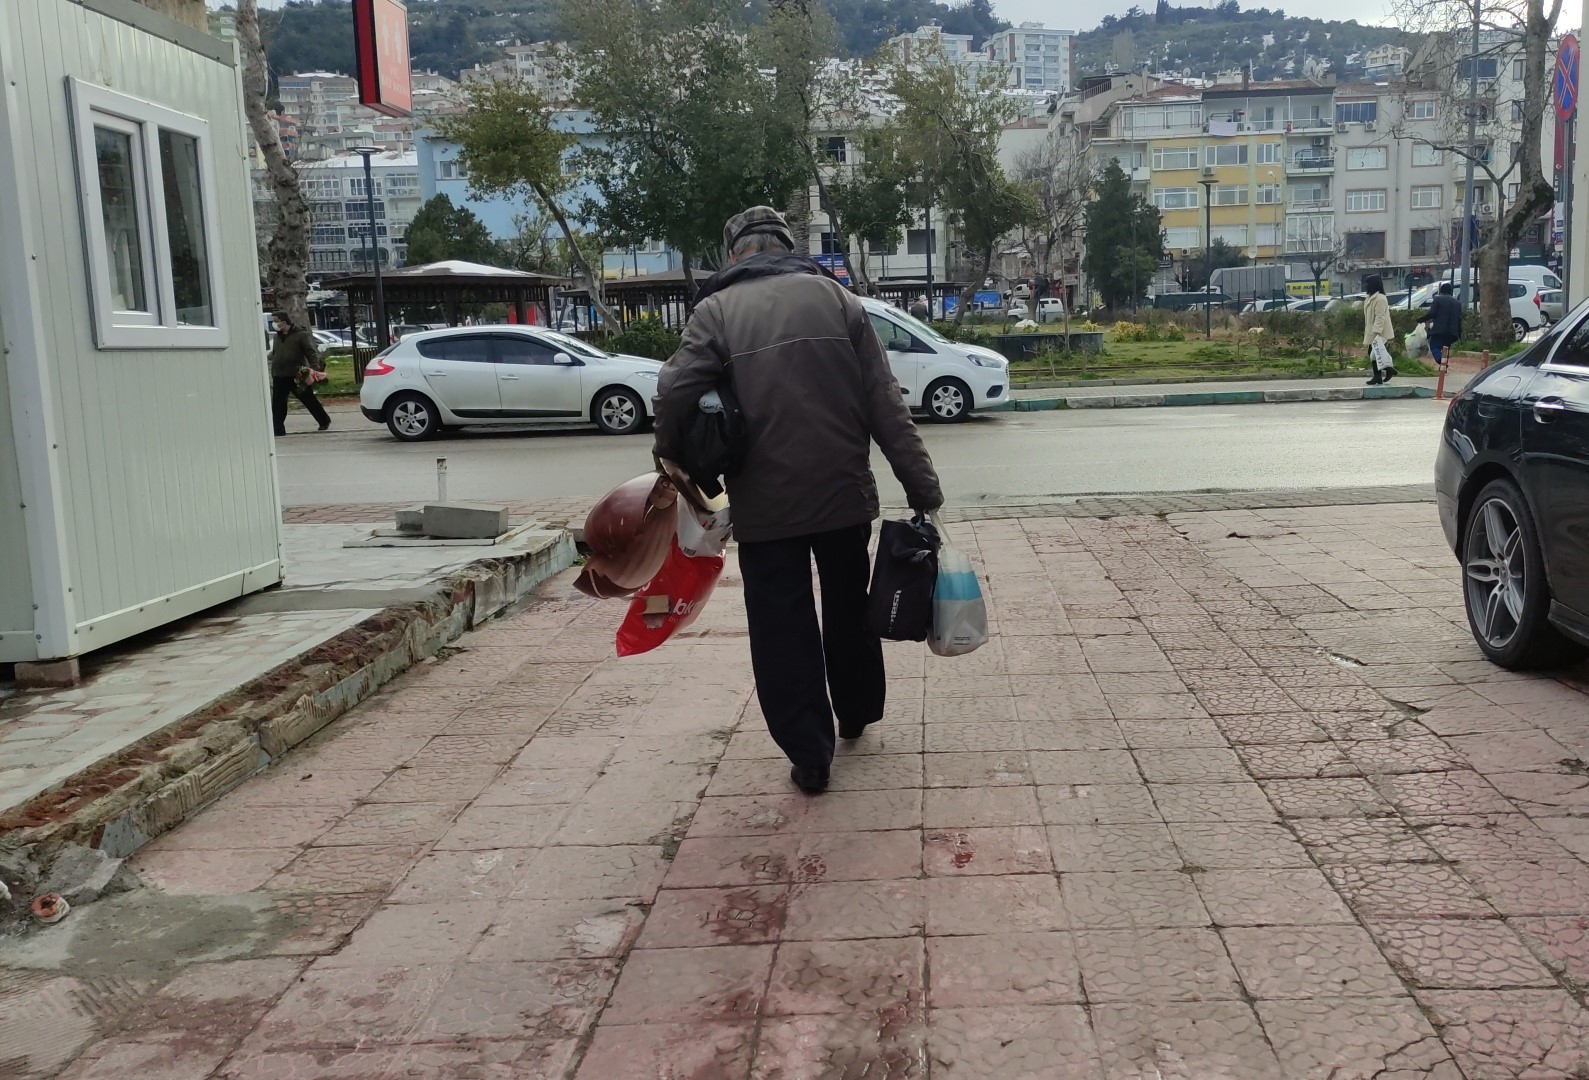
[[1536, 299], [378, 367]]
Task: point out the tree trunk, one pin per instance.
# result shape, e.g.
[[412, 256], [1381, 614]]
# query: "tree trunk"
[[286, 270], [1495, 303], [690, 290], [968, 294], [798, 214], [581, 266], [834, 221]]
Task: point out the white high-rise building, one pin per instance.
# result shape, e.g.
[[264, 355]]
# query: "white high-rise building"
[[1037, 57]]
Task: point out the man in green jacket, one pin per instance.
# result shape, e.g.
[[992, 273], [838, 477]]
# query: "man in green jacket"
[[815, 391], [291, 359]]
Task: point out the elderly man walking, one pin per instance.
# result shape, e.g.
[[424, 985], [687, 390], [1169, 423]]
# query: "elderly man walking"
[[815, 390]]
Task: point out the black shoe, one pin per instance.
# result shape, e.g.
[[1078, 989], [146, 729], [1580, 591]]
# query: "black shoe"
[[810, 781], [1376, 380], [280, 434], [325, 423], [1390, 373]]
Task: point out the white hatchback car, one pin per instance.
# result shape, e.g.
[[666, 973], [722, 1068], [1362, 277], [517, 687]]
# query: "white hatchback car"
[[504, 375], [938, 377]]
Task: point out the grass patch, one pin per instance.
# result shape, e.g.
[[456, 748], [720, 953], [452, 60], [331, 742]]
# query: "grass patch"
[[1201, 358]]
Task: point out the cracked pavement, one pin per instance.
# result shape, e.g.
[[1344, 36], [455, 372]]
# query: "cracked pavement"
[[1228, 794]]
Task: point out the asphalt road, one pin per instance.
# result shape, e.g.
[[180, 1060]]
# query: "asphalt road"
[[1009, 457]]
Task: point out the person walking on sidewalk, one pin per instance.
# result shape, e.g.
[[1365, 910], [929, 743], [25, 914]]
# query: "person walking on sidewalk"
[[1444, 321], [292, 358], [1377, 330], [815, 390]]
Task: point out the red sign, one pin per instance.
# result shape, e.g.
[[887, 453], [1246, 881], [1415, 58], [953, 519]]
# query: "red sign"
[[380, 46]]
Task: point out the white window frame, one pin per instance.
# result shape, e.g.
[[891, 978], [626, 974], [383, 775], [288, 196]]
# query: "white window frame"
[[1228, 195], [1366, 195], [1270, 153], [1421, 109], [94, 106], [1274, 191], [1363, 151], [1163, 154], [1238, 151], [1423, 190], [1161, 196], [1438, 155]]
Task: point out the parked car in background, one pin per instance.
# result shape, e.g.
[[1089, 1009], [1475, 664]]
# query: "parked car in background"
[[432, 380], [1511, 484], [1309, 303], [1049, 309], [940, 378], [1185, 301], [1267, 305], [326, 339], [1553, 304], [1350, 300]]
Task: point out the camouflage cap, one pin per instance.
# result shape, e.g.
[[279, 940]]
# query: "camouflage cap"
[[758, 219]]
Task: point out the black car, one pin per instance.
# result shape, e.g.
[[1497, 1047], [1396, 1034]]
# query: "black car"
[[1512, 484]]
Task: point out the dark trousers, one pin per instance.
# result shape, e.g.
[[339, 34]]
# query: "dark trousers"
[[796, 662], [1438, 347], [281, 390]]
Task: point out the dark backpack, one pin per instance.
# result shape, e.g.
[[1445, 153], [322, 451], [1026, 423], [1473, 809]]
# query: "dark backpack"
[[714, 443], [899, 604]]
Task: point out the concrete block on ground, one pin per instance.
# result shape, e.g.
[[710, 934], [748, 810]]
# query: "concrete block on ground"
[[44, 674], [465, 521], [411, 520]]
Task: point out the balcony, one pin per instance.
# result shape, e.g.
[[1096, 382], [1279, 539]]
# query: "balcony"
[[1308, 124], [1310, 163], [1308, 206]]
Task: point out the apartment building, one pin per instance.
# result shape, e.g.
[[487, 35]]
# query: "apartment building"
[[1038, 57], [324, 107], [339, 238], [546, 66]]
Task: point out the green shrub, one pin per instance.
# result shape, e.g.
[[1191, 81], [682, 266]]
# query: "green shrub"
[[646, 336]]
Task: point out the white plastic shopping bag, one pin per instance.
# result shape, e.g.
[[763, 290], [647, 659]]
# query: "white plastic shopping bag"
[[1380, 354], [959, 617], [703, 534], [1417, 342]]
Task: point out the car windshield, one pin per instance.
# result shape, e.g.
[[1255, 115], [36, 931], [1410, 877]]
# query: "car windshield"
[[574, 345], [916, 325]]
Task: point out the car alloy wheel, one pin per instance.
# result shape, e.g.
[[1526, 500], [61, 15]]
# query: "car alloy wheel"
[[1497, 571], [1519, 329], [412, 419], [948, 401], [618, 412]]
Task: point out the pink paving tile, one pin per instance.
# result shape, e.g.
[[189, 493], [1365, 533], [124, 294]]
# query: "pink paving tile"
[[1355, 1037], [477, 1059], [1145, 899], [1355, 841], [604, 819], [1440, 793], [859, 856], [1189, 1039], [1212, 802], [349, 1006], [318, 1063], [566, 929], [1460, 953], [1037, 968], [1270, 898], [1003, 769], [1097, 804], [629, 871], [1238, 845], [420, 934], [759, 815], [149, 1059], [856, 909], [863, 811], [983, 905], [193, 873], [737, 915], [973, 738], [820, 1046], [291, 786], [881, 977], [1339, 797], [1073, 735], [438, 783], [318, 923], [1013, 1043], [444, 876], [1491, 838], [969, 808], [1301, 761], [1537, 1034], [480, 828], [260, 827], [1112, 847], [1310, 961], [649, 1051], [1187, 964], [1553, 887], [1562, 941], [370, 868], [1171, 734], [1277, 727], [1408, 891], [1010, 850], [679, 986], [1084, 767], [538, 786], [390, 823], [542, 1000], [718, 861]]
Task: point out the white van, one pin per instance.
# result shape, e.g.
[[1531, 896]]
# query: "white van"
[[945, 381], [1538, 276]]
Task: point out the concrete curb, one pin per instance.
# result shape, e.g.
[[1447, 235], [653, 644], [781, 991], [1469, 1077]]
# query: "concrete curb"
[[125, 800], [1213, 397]]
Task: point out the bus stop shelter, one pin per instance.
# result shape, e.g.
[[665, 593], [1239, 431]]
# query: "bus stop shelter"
[[449, 285]]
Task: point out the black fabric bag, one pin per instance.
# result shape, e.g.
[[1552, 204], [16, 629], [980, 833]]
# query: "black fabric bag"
[[899, 605], [714, 445]]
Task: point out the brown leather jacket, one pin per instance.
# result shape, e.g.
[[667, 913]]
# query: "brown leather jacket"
[[815, 390], [294, 351]]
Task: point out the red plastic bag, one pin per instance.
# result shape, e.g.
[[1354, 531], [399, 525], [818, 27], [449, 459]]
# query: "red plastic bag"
[[670, 602]]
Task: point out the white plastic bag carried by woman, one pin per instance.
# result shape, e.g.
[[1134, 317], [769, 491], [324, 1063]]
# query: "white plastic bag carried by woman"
[[959, 615]]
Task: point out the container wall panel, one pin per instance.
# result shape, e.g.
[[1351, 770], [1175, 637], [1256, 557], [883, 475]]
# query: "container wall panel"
[[167, 473]]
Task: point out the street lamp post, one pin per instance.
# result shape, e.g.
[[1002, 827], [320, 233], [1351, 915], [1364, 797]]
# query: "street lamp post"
[[1208, 257], [382, 331]]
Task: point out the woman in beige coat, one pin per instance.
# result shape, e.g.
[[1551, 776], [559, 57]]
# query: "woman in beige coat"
[[1377, 330]]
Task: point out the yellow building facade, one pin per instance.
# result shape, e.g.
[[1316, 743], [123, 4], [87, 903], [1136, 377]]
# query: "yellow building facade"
[[1241, 178]]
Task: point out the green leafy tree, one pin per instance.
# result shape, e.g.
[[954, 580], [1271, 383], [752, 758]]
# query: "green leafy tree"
[[510, 143], [948, 123], [1124, 240], [692, 130], [1219, 256], [443, 231]]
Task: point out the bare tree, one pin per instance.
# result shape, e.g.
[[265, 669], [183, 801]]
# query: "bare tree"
[[286, 269], [1321, 254], [1508, 125], [1061, 180]]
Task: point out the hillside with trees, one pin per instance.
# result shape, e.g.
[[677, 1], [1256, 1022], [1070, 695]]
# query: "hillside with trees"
[[1202, 41]]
